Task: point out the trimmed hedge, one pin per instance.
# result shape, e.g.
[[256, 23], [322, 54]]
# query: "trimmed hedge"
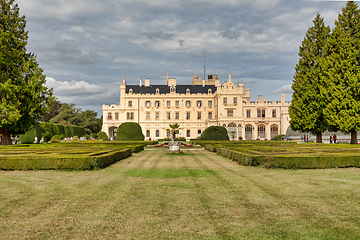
[[215, 133], [286, 155], [129, 131], [66, 156], [48, 130]]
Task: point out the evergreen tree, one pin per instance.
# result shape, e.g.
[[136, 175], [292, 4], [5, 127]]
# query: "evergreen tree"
[[307, 107], [342, 73], [23, 96]]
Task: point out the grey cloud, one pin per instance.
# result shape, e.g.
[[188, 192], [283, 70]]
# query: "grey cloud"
[[181, 43], [230, 34], [158, 35], [69, 53]]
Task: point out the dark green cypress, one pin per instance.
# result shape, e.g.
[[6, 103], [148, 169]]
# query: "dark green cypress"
[[307, 107]]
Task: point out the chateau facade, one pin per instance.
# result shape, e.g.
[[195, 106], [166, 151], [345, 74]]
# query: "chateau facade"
[[196, 107]]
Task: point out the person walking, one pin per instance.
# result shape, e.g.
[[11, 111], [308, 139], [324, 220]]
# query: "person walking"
[[334, 138], [331, 139]]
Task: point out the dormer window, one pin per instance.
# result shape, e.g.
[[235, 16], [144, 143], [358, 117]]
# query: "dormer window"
[[130, 91], [209, 91], [157, 91], [173, 89], [187, 91]]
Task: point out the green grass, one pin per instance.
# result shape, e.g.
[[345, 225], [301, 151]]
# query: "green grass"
[[152, 195]]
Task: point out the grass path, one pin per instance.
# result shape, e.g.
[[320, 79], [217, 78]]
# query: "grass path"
[[195, 195]]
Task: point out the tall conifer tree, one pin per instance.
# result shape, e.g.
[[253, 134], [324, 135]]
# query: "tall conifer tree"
[[23, 96], [307, 107], [342, 73]]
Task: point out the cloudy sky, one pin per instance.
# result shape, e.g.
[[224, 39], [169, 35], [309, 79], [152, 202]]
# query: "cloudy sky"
[[86, 47]]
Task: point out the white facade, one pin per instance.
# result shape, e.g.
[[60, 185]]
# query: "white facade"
[[196, 107]]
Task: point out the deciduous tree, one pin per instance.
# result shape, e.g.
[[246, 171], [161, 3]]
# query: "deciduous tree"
[[23, 95]]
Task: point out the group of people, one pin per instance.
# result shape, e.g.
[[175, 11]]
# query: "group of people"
[[332, 138]]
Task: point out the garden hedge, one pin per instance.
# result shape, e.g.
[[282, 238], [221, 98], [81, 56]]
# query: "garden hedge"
[[286, 155]]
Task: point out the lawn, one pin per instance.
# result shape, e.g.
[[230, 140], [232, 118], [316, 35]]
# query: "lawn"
[[194, 195]]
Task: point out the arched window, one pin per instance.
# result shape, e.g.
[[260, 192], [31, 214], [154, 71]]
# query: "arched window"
[[157, 91], [274, 131], [261, 131], [248, 132], [239, 131], [147, 133], [188, 133], [130, 91], [172, 89], [232, 131], [187, 91], [209, 91]]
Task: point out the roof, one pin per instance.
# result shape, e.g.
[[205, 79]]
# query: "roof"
[[163, 89]]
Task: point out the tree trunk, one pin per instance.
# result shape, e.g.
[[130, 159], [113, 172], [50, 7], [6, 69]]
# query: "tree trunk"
[[319, 137], [354, 137], [5, 139]]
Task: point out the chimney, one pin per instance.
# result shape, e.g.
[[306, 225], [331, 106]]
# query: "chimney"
[[229, 77], [203, 82], [147, 82], [140, 82]]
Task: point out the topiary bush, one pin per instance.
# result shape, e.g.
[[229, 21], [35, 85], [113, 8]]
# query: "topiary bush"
[[129, 131], [215, 133], [102, 136]]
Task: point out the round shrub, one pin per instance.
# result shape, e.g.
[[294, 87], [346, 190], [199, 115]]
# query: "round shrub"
[[102, 136], [215, 133], [129, 131]]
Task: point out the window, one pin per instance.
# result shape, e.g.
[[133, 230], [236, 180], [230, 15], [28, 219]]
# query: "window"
[[157, 103], [225, 100], [188, 115], [199, 133], [261, 131], [168, 103], [177, 103], [148, 116], [199, 115], [109, 116], [168, 134], [157, 133], [274, 131], [273, 113], [130, 115], [248, 113], [235, 100], [209, 103], [172, 89], [147, 103], [167, 115], [177, 114], [230, 113], [198, 103], [188, 104], [116, 116], [130, 103], [248, 132], [157, 115], [147, 133], [261, 113], [188, 133], [210, 115]]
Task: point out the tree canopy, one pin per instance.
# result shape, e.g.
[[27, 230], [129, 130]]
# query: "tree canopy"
[[23, 95], [342, 73], [307, 107]]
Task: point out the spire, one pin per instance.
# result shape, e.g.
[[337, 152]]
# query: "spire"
[[167, 77]]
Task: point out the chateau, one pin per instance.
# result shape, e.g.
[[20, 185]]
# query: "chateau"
[[196, 107]]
